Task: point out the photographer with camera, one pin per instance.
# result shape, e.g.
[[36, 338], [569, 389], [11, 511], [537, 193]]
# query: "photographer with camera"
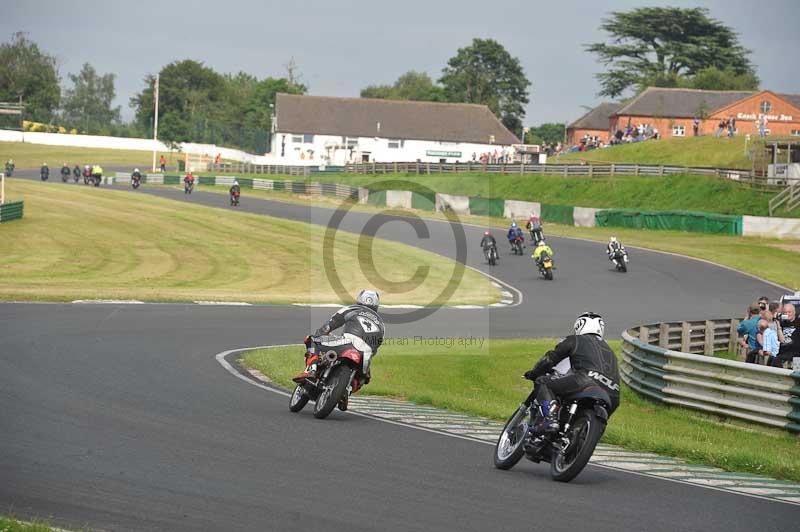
[[790, 344]]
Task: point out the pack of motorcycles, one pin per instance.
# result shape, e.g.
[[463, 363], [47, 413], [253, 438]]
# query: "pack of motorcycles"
[[546, 264]]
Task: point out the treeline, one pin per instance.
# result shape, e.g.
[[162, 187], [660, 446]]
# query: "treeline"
[[196, 103]]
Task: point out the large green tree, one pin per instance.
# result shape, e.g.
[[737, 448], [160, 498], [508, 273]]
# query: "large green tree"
[[87, 104], [28, 73], [547, 133], [486, 73], [197, 104], [662, 45], [410, 86]]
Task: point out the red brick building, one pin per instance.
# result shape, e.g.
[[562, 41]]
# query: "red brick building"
[[595, 123], [672, 111]]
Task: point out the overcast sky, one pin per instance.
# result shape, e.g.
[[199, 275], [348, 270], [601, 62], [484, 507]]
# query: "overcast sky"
[[342, 46]]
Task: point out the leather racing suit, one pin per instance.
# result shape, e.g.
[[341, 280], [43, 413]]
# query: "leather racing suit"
[[362, 329]]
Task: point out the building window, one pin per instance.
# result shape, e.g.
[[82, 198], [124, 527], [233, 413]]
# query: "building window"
[[766, 107], [350, 142], [796, 132], [678, 130], [395, 143], [297, 139], [308, 139]]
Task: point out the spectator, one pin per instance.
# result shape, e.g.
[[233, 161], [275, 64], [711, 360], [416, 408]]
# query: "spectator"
[[162, 161], [217, 160], [769, 343], [762, 125], [775, 321], [720, 127], [790, 347], [748, 333], [696, 126], [732, 127]]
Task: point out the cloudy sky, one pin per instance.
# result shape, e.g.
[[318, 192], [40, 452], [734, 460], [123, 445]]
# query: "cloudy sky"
[[342, 46]]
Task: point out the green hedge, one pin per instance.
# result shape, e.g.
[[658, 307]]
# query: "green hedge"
[[697, 222], [487, 207], [559, 214]]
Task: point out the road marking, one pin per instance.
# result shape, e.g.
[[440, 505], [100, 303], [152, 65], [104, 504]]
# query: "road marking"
[[108, 302], [485, 431], [229, 303]]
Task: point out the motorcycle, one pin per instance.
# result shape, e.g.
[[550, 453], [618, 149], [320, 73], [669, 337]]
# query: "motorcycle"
[[490, 252], [582, 420], [136, 181], [45, 174], [76, 174], [620, 260], [516, 245], [188, 186], [235, 198], [65, 175], [87, 174], [338, 374], [96, 179], [9, 169], [545, 264]]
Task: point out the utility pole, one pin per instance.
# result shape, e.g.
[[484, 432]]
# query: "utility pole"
[[155, 124]]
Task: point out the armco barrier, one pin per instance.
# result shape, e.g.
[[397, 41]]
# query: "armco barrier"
[[11, 211], [749, 392], [457, 204]]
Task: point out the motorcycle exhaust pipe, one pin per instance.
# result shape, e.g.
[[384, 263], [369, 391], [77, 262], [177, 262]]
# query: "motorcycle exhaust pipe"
[[331, 356]]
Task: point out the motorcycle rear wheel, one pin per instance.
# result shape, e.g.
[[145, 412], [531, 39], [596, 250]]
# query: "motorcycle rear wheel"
[[332, 392], [584, 434], [299, 399], [548, 274], [510, 445]]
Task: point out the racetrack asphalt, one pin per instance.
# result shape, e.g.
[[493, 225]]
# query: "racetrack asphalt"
[[118, 417]]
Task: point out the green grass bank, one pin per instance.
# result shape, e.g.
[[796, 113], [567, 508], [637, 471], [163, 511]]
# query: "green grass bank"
[[486, 381], [79, 242]]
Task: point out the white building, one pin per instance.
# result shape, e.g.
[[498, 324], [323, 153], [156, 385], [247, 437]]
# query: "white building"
[[327, 130]]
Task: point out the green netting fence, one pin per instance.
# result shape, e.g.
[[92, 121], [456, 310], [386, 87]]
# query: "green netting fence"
[[696, 222], [559, 214], [424, 201], [12, 210], [487, 207]]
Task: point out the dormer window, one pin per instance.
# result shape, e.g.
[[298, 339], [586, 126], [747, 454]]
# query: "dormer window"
[[766, 107]]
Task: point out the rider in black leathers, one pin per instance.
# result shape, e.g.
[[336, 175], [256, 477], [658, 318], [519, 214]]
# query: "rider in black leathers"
[[44, 172], [362, 329], [593, 365]]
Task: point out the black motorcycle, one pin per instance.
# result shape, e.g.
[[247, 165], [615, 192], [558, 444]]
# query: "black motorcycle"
[[490, 252], [516, 246], [9, 169], [65, 173], [235, 198], [620, 259], [76, 174], [188, 186], [338, 374], [96, 179], [45, 174], [136, 181], [582, 420]]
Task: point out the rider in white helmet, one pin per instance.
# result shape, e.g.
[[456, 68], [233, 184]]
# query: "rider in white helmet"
[[362, 329], [593, 364], [613, 246]]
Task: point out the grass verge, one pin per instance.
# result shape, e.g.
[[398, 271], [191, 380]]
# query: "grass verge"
[[9, 524], [85, 243], [705, 151], [27, 155], [771, 259], [485, 381]]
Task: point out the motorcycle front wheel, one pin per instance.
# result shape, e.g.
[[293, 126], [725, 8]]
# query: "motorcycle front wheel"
[[584, 434], [299, 399], [511, 444], [332, 391]]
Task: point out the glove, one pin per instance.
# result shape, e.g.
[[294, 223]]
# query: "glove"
[[307, 341], [530, 375]]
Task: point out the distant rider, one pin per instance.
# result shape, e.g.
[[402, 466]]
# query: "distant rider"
[[541, 247], [44, 172], [76, 172], [593, 364], [235, 188], [513, 232], [614, 245], [488, 242], [362, 329], [97, 174], [65, 172], [534, 226], [10, 167], [136, 175], [188, 181]]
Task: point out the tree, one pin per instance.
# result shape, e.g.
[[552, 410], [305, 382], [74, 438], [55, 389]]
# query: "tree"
[[87, 105], [548, 133], [660, 45], [412, 85], [27, 72], [486, 73], [712, 78]]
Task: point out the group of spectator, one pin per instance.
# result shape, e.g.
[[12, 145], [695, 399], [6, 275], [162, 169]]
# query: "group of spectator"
[[503, 156], [770, 333], [725, 125], [638, 133]]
